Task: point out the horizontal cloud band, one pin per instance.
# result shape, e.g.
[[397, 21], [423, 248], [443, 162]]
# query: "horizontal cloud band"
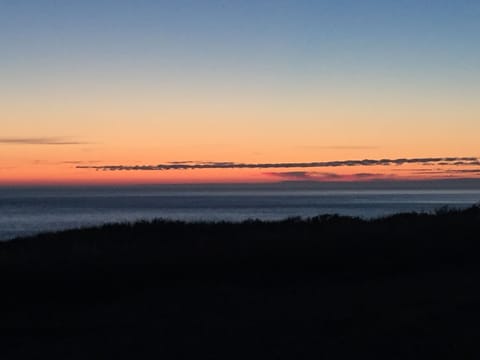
[[40, 141], [233, 165]]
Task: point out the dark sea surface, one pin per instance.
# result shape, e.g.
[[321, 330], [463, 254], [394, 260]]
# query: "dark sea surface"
[[25, 211]]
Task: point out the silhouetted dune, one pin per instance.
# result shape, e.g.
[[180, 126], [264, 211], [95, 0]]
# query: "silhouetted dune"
[[404, 286]]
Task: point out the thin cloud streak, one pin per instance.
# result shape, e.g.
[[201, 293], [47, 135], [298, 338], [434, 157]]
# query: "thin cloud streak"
[[452, 161], [464, 171], [326, 176], [40, 141], [303, 175]]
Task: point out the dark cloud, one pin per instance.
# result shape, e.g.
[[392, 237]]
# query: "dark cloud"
[[467, 163], [320, 164], [464, 171], [40, 141], [460, 163], [444, 172]]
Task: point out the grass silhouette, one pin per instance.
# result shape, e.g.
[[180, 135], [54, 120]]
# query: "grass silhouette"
[[403, 286]]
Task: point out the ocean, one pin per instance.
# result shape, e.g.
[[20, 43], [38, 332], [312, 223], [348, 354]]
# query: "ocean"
[[27, 211]]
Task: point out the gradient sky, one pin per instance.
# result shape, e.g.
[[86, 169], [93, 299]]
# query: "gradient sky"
[[113, 82]]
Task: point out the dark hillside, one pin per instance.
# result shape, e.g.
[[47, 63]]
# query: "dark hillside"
[[405, 286]]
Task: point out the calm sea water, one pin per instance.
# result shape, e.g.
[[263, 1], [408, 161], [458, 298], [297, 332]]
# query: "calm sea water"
[[28, 211]]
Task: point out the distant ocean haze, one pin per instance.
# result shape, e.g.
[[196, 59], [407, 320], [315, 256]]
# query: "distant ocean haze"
[[27, 211]]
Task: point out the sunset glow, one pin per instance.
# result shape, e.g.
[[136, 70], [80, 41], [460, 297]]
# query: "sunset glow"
[[122, 83]]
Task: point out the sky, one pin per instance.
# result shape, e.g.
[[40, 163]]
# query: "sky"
[[116, 91]]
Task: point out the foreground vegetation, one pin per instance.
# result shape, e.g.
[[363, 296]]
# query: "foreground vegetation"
[[404, 286]]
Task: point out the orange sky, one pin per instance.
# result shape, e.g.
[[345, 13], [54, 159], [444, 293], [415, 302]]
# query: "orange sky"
[[96, 84]]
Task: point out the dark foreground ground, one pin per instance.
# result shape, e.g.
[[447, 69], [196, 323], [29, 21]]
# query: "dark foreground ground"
[[402, 287]]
